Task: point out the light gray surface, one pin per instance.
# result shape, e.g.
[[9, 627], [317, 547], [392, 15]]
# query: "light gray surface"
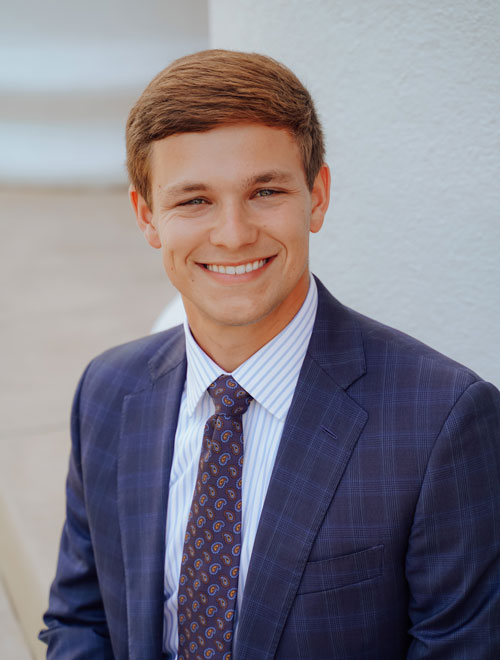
[[12, 644], [80, 278]]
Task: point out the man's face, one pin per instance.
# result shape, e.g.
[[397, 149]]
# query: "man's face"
[[232, 214]]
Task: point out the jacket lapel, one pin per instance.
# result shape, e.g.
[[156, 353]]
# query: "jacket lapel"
[[149, 420], [322, 428]]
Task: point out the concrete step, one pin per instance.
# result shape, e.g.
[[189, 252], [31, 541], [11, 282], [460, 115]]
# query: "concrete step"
[[64, 102]]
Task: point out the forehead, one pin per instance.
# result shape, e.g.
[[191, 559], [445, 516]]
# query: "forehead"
[[225, 153]]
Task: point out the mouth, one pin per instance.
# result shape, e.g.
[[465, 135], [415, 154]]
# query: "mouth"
[[240, 269]]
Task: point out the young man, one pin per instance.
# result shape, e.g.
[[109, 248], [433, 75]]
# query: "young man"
[[282, 477]]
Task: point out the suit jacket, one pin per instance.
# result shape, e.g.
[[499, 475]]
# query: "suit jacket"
[[380, 534]]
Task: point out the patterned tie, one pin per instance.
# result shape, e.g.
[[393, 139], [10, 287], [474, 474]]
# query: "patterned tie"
[[211, 558]]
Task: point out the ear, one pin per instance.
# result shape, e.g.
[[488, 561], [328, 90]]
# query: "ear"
[[144, 217], [320, 198]]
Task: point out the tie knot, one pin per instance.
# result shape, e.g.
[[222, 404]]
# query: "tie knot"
[[229, 398]]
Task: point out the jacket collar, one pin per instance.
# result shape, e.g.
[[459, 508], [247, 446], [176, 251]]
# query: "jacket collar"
[[336, 343]]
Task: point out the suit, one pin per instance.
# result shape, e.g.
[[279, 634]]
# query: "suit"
[[380, 534]]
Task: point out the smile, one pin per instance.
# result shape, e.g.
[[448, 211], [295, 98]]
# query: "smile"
[[237, 270]]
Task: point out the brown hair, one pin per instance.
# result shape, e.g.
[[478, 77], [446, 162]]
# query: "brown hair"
[[216, 87]]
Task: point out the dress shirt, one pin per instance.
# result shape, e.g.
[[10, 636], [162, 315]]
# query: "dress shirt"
[[270, 376]]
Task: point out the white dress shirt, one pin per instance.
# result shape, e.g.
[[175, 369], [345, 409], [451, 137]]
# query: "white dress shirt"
[[270, 376]]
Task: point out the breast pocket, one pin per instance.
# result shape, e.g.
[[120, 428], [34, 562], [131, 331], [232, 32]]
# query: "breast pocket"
[[342, 571]]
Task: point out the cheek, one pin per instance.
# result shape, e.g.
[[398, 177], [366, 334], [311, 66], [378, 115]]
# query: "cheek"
[[178, 240], [169, 260], [295, 238]]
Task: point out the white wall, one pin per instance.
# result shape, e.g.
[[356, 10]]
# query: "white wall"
[[409, 95]]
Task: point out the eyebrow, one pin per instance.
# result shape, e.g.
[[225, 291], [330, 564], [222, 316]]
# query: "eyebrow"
[[272, 176], [183, 187]]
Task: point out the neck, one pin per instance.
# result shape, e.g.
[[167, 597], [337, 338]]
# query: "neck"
[[231, 345], [229, 349]]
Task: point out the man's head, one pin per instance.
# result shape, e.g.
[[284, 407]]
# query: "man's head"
[[214, 88], [225, 156]]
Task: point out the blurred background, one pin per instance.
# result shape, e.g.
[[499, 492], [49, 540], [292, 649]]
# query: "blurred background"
[[408, 93]]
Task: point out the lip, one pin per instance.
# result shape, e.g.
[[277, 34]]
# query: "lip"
[[237, 278]]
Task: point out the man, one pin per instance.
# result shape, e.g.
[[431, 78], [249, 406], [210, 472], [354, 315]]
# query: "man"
[[364, 520]]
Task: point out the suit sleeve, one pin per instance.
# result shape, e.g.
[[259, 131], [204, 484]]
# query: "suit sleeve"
[[453, 559], [75, 620]]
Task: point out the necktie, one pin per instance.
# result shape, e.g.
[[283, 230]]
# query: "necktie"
[[210, 562]]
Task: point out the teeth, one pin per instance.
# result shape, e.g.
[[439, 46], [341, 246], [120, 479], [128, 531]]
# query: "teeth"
[[236, 270]]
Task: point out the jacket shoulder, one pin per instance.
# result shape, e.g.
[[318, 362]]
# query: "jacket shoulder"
[[389, 346], [385, 359], [133, 366]]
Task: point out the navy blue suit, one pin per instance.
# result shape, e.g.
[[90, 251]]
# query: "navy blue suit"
[[380, 534]]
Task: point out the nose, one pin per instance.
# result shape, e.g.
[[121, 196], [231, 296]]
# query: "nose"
[[233, 227]]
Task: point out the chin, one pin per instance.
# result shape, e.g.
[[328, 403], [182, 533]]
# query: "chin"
[[241, 315], [238, 320]]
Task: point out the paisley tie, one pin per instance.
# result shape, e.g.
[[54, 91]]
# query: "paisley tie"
[[210, 562]]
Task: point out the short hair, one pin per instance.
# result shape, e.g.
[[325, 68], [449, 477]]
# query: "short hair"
[[218, 87]]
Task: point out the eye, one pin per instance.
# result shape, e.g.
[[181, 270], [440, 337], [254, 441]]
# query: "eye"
[[267, 192], [196, 201]]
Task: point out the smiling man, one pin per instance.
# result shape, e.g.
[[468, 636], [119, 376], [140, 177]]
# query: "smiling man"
[[231, 211], [282, 477]]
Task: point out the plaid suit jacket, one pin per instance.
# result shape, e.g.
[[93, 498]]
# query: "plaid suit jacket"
[[380, 534]]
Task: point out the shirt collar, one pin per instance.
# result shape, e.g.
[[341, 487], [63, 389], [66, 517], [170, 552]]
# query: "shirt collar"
[[269, 375]]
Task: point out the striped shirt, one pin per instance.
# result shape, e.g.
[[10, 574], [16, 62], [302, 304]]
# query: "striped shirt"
[[270, 376]]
